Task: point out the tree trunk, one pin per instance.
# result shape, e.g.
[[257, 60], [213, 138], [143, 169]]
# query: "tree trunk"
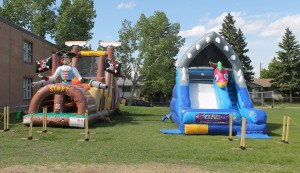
[[291, 98], [130, 100], [161, 99], [133, 88], [123, 87]]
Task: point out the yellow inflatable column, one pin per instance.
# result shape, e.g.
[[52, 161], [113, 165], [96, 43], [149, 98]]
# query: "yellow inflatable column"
[[95, 93], [191, 129]]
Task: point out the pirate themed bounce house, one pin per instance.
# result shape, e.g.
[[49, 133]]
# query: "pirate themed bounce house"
[[210, 87], [68, 96]]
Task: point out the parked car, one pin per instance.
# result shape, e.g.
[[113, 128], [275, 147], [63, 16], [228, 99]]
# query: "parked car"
[[136, 102]]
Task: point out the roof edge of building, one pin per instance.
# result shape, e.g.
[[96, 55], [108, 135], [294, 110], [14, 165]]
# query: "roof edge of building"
[[12, 24]]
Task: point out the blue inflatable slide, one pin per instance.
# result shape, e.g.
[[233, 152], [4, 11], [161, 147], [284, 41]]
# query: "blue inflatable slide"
[[201, 104]]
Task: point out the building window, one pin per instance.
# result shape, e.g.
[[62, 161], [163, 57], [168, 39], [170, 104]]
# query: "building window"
[[27, 88], [27, 52]]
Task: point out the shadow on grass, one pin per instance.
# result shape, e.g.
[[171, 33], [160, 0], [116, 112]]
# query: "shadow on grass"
[[272, 127]]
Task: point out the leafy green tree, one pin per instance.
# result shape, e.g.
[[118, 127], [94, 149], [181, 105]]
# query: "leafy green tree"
[[271, 72], [236, 39], [75, 21], [127, 54], [287, 64], [37, 16], [147, 51], [43, 18], [272, 68], [159, 42], [17, 11], [264, 74]]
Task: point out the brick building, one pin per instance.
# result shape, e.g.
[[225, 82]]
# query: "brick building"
[[19, 49]]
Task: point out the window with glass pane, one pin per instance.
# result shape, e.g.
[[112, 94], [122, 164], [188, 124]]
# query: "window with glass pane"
[[27, 52], [27, 88]]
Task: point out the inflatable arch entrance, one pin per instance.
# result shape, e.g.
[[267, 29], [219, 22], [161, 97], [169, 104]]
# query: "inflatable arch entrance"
[[60, 89]]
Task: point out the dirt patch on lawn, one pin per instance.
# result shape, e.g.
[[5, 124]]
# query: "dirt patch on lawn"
[[93, 168]]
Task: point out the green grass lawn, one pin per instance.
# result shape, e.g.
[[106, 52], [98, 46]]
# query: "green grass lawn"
[[284, 105], [134, 138]]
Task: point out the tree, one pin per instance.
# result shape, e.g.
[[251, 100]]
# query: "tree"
[[228, 30], [128, 38], [148, 49], [75, 21], [37, 16], [271, 72], [17, 11], [241, 51], [287, 64], [236, 39], [43, 18], [264, 74], [159, 42], [272, 68]]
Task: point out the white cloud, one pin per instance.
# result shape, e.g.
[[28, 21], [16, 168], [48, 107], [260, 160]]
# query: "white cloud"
[[248, 24], [210, 25], [252, 27], [260, 26], [278, 26], [194, 32], [238, 16], [129, 5], [265, 25]]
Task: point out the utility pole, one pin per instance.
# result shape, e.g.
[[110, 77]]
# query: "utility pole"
[[260, 70]]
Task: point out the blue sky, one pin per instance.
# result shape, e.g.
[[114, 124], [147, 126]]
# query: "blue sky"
[[263, 22]]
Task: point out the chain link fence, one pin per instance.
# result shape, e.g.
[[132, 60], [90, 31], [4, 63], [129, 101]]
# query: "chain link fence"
[[269, 99]]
